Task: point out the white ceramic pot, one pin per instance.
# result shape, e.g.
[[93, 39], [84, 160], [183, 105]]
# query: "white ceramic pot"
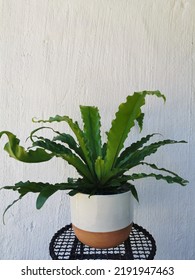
[[102, 216]]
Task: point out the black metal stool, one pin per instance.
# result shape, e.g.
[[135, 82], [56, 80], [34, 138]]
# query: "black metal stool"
[[140, 245]]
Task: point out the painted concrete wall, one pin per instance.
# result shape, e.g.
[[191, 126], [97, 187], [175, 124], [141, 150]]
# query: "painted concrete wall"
[[58, 54]]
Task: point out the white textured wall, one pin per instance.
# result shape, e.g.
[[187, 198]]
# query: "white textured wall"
[[55, 55]]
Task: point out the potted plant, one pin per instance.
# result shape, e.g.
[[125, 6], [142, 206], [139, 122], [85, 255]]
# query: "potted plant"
[[101, 196]]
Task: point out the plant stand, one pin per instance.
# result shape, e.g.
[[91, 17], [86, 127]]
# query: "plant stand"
[[140, 245]]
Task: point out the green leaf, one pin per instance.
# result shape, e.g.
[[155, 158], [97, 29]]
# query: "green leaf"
[[51, 146], [60, 151], [126, 116], [99, 167], [92, 125], [9, 206], [73, 192], [62, 137], [168, 179], [27, 187], [135, 158], [43, 196], [178, 178], [104, 148], [19, 153], [32, 135], [134, 192], [127, 153], [130, 159], [115, 173], [152, 165], [69, 140], [45, 190], [118, 181], [140, 120], [22, 188], [78, 133]]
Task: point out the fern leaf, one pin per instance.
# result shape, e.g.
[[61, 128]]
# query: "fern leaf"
[[134, 192], [78, 133], [152, 165], [126, 116], [45, 190], [140, 121], [9, 206], [99, 167], [69, 140], [19, 153], [91, 120], [60, 151], [168, 179], [135, 158], [127, 153]]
